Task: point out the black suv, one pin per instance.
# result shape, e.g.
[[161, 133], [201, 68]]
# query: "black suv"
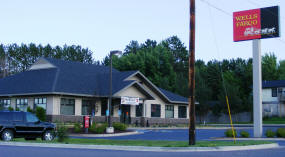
[[24, 124]]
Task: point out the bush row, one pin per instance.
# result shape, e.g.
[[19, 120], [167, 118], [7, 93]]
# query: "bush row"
[[229, 133], [269, 133], [99, 128], [279, 133]]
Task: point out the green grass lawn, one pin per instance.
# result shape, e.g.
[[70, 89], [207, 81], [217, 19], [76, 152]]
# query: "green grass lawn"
[[274, 120], [152, 143], [271, 120]]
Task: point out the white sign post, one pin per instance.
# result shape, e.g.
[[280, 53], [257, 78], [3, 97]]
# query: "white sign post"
[[130, 100], [257, 103]]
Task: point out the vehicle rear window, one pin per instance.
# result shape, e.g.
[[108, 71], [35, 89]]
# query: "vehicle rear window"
[[5, 116], [18, 116]]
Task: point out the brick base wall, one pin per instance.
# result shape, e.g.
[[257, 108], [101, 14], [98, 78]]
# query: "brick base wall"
[[140, 121]]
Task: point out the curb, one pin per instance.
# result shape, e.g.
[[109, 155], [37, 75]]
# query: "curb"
[[199, 128], [247, 139], [143, 148], [106, 135]]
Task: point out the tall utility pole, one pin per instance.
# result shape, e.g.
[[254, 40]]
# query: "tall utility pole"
[[191, 76]]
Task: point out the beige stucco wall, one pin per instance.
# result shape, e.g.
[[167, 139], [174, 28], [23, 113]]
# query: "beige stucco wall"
[[31, 102], [267, 95], [13, 103], [49, 110], [135, 78], [78, 106], [158, 100], [187, 112], [133, 110], [131, 92], [270, 103], [98, 106], [41, 64], [175, 111], [56, 105], [116, 109]]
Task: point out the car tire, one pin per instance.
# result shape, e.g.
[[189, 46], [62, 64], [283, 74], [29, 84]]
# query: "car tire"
[[7, 135], [48, 135]]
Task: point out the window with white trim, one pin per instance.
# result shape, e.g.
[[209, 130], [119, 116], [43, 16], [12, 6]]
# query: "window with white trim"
[[67, 106], [5, 104], [182, 111], [169, 111], [22, 104], [155, 110], [41, 102]]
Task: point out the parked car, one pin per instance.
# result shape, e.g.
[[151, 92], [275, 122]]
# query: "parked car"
[[14, 124]]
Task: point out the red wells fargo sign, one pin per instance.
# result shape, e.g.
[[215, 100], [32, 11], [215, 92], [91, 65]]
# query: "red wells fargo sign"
[[256, 23]]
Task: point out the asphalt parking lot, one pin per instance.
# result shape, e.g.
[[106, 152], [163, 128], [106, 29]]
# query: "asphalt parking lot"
[[181, 134]]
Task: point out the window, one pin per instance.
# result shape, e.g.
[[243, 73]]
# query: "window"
[[31, 118], [86, 107], [169, 111], [155, 110], [5, 104], [139, 109], [182, 111], [41, 102], [22, 104], [274, 92], [67, 106]]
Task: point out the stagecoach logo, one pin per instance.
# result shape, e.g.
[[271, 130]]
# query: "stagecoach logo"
[[130, 100], [256, 23], [255, 31]]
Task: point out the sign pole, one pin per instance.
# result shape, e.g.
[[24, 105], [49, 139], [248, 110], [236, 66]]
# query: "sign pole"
[[257, 103]]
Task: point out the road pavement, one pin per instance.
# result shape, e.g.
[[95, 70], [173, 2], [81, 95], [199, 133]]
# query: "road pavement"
[[14, 151], [147, 134]]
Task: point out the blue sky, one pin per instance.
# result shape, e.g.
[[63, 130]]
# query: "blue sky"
[[105, 25]]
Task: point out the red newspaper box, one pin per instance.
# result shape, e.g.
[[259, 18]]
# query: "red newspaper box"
[[86, 121]]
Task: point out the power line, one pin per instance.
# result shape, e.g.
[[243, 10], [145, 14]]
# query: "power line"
[[229, 14], [219, 9], [222, 74], [258, 5]]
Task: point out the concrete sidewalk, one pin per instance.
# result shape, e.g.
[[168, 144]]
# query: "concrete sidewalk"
[[247, 139], [177, 128], [210, 126], [107, 135], [143, 148]]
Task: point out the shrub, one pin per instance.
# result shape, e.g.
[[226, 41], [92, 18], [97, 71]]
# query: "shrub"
[[77, 128], [30, 110], [270, 133], [244, 134], [62, 134], [229, 133], [41, 113], [100, 128], [92, 127], [280, 132], [120, 126], [10, 108]]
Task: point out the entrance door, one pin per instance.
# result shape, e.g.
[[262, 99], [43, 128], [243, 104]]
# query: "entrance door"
[[125, 115]]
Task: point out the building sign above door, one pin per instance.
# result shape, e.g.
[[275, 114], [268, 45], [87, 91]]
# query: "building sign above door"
[[130, 100]]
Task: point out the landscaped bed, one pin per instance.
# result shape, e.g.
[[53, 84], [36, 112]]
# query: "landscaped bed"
[[151, 143]]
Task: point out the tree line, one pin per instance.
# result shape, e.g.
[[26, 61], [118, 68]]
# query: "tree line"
[[17, 58], [166, 65]]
